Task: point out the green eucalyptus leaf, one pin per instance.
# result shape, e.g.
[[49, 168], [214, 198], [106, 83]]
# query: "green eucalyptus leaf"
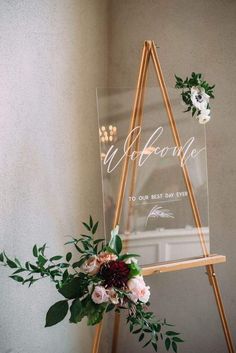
[[90, 222], [68, 256], [11, 263], [17, 278], [79, 263], [154, 346], [177, 339], [18, 271], [167, 343], [147, 343], [174, 346], [1, 257], [141, 337], [172, 333], [94, 229], [56, 258], [41, 260], [86, 226], [35, 251], [56, 313]]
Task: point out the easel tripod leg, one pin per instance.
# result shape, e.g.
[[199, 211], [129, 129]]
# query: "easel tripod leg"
[[220, 306], [97, 337]]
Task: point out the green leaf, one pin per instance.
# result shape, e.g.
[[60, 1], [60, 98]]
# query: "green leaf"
[[141, 337], [154, 346], [68, 256], [95, 228], [35, 268], [35, 251], [79, 263], [18, 271], [94, 312], [167, 343], [42, 249], [97, 241], [17, 278], [27, 265], [177, 339], [11, 263], [115, 243], [56, 258], [28, 280], [147, 343], [90, 222], [78, 249], [194, 111], [17, 262], [77, 311], [1, 257], [64, 265], [110, 307], [178, 78], [41, 260], [134, 269], [86, 226], [75, 288], [172, 333], [56, 313], [174, 346]]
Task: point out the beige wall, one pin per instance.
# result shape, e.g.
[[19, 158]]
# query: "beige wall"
[[192, 36], [53, 55]]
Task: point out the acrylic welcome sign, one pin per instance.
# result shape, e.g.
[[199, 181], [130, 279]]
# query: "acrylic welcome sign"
[[157, 220]]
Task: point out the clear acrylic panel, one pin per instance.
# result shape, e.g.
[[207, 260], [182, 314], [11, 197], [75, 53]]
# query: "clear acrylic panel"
[[157, 220]]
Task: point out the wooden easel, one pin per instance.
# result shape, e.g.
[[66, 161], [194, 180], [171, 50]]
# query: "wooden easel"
[[207, 260]]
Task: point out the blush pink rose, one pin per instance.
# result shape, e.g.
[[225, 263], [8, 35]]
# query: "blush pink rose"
[[99, 295], [106, 257], [91, 266], [138, 289]]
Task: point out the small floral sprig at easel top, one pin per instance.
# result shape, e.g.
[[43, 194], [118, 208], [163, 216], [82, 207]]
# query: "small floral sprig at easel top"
[[196, 94], [99, 279]]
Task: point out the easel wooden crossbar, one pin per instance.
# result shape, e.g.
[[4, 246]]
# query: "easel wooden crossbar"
[[208, 260]]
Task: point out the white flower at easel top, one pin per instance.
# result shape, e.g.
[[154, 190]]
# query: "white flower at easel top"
[[196, 94]]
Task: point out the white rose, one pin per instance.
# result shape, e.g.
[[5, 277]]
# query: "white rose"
[[204, 116], [138, 289], [199, 98], [91, 266], [99, 295], [113, 296]]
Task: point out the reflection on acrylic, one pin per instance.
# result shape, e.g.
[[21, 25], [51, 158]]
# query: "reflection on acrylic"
[[157, 220]]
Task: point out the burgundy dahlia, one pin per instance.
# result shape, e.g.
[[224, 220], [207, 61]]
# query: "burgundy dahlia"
[[115, 273]]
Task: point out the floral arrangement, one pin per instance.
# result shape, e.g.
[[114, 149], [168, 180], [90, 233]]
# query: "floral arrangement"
[[196, 94], [100, 280]]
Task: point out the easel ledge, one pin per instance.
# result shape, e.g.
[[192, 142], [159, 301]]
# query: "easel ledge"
[[171, 266]]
